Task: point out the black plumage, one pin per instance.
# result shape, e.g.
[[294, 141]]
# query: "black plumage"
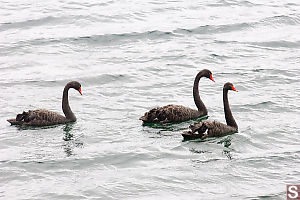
[[178, 113], [42, 117], [214, 128]]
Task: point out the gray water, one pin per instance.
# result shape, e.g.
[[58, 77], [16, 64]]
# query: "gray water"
[[131, 56]]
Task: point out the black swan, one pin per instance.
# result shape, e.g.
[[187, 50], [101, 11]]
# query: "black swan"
[[43, 117], [213, 128], [177, 113]]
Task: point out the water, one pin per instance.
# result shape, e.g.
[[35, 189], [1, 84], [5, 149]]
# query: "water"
[[131, 56]]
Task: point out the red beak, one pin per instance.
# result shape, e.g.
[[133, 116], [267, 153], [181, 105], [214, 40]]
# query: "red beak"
[[211, 78], [80, 91], [233, 88]]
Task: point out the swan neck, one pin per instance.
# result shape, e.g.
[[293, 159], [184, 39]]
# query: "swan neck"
[[228, 115], [65, 105], [200, 105]]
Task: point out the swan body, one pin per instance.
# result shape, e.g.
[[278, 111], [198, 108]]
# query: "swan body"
[[39, 117], [208, 129], [42, 117], [170, 113], [214, 128], [178, 113]]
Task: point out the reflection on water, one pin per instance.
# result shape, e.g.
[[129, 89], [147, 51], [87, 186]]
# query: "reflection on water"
[[23, 127], [193, 150], [175, 126], [227, 154], [71, 142], [226, 142], [67, 129], [168, 129]]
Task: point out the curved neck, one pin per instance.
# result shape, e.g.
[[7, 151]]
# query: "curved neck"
[[200, 105], [65, 105], [228, 115]]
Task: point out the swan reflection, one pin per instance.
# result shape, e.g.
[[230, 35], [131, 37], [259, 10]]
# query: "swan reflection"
[[70, 142]]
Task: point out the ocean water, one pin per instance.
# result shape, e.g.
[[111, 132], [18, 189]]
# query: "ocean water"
[[131, 56]]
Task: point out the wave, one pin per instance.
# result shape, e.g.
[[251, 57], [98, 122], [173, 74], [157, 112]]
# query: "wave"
[[107, 39], [281, 20], [88, 80], [260, 105], [116, 39], [277, 44], [213, 29], [29, 23], [112, 39]]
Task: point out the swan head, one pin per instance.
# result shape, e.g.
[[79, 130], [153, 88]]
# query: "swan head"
[[76, 85], [229, 86], [207, 73]]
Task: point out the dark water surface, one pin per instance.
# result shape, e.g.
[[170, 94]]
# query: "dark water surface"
[[131, 56]]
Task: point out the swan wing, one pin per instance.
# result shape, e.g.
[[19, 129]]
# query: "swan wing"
[[211, 128], [170, 113], [39, 117]]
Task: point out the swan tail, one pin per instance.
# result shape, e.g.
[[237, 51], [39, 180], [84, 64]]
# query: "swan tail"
[[143, 118], [20, 119], [14, 122], [154, 115], [199, 127]]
